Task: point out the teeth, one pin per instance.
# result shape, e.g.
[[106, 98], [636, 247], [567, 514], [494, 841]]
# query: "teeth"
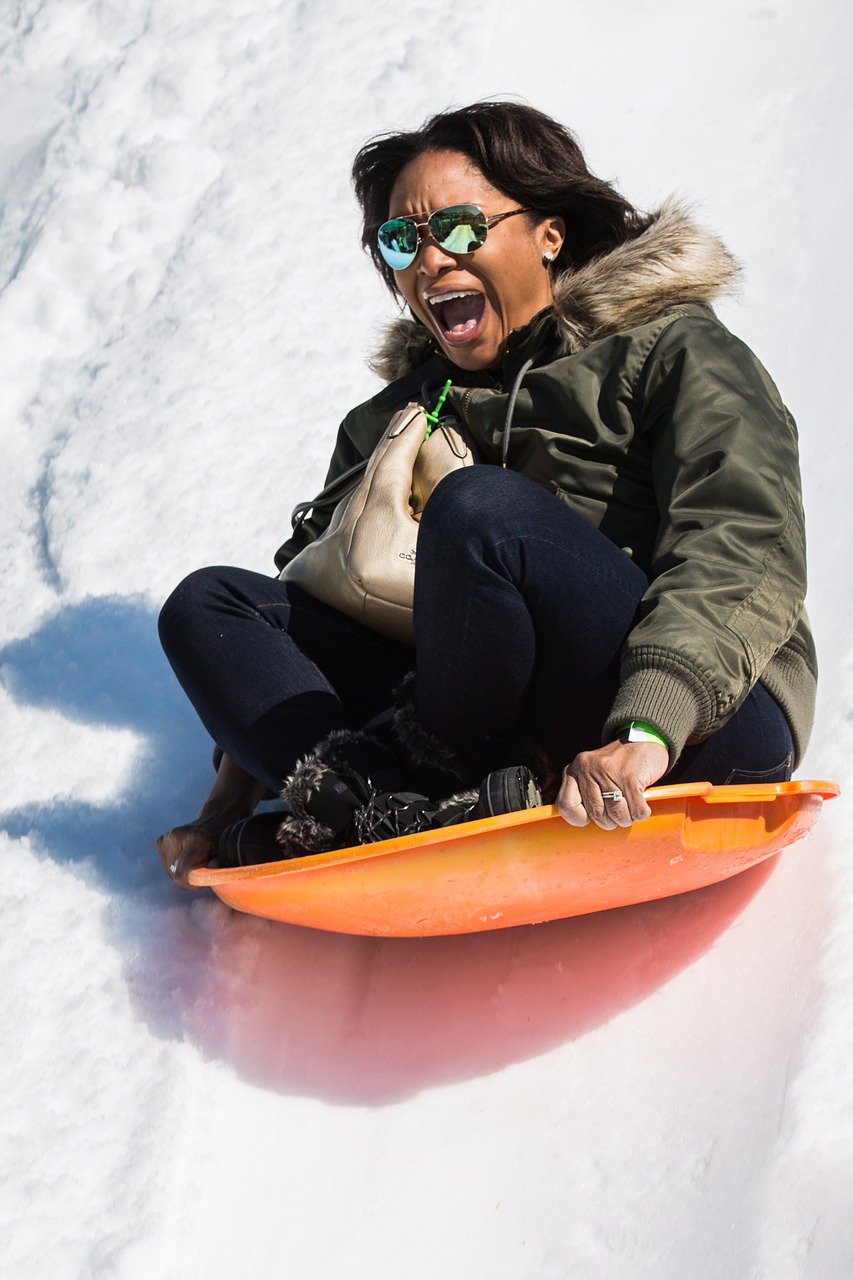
[[444, 297]]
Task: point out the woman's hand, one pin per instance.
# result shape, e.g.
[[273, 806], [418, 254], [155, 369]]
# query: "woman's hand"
[[621, 767], [234, 795]]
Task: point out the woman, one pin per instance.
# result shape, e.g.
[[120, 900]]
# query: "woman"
[[620, 602]]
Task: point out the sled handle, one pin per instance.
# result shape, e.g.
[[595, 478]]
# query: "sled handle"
[[762, 791]]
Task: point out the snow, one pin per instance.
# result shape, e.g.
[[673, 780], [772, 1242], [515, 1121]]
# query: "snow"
[[659, 1092]]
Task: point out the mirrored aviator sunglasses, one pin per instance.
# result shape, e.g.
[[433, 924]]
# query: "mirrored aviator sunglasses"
[[460, 228]]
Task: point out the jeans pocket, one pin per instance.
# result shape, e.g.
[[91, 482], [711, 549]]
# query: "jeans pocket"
[[780, 773]]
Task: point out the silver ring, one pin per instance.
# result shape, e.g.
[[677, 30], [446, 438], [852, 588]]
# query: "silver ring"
[[615, 796]]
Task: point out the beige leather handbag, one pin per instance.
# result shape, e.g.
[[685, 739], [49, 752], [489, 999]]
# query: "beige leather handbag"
[[364, 562]]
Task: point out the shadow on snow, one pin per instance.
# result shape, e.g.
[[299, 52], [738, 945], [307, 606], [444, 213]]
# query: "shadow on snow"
[[346, 1019]]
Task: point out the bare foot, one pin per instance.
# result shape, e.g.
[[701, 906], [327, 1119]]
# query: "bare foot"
[[192, 845], [234, 796]]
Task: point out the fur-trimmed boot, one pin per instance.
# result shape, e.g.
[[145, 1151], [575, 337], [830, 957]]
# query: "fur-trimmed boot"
[[273, 835], [356, 788], [391, 779]]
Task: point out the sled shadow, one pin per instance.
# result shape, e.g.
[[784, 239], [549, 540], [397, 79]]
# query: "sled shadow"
[[348, 1020], [356, 1020]]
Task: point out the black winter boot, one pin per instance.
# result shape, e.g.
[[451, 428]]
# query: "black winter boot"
[[270, 836], [323, 792], [329, 785], [357, 787], [392, 814], [389, 779]]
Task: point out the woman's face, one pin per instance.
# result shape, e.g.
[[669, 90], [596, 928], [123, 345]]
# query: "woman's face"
[[502, 284]]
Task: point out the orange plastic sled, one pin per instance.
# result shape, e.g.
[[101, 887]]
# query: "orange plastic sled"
[[527, 867]]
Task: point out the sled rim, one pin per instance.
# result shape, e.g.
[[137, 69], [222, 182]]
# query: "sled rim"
[[709, 793]]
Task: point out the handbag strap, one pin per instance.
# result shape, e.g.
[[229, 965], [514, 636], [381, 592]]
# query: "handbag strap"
[[344, 484], [333, 493]]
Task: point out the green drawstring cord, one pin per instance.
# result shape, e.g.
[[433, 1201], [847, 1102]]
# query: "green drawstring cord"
[[432, 418]]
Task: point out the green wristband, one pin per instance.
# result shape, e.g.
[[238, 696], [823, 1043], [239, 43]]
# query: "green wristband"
[[640, 731]]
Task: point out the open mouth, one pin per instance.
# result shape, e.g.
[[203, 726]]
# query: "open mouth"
[[458, 314]]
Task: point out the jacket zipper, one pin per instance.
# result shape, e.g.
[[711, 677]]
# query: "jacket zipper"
[[463, 405]]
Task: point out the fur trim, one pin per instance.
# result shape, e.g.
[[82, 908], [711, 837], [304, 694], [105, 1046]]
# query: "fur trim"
[[406, 345], [468, 797], [303, 835], [329, 785], [422, 749], [672, 262], [300, 827], [333, 754], [302, 784]]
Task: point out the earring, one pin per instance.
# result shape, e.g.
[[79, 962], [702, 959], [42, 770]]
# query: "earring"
[[547, 258]]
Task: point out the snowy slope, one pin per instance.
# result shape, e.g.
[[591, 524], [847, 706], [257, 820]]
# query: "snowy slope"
[[659, 1092]]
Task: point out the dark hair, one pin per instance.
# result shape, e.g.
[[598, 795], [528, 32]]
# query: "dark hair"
[[520, 151]]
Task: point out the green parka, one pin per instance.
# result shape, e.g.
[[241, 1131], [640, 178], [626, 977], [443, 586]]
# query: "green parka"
[[643, 413]]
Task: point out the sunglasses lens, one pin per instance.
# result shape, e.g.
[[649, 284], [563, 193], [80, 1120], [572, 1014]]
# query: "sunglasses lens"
[[461, 228], [398, 243]]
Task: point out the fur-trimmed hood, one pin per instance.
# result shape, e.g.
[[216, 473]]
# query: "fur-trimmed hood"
[[671, 263]]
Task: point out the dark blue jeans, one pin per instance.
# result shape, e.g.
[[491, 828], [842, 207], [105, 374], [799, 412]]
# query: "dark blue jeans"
[[271, 671], [521, 609]]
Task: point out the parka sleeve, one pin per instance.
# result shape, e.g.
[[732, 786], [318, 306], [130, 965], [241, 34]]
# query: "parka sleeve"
[[728, 576]]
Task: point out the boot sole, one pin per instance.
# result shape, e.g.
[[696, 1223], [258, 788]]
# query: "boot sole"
[[252, 841], [508, 791]]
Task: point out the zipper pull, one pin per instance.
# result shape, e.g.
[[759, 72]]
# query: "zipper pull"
[[432, 418]]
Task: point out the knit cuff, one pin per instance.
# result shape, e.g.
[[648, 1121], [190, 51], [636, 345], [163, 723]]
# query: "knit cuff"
[[676, 703]]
